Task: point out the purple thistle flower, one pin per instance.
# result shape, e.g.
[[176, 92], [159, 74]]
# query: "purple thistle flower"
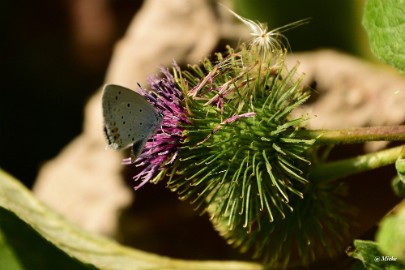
[[162, 148]]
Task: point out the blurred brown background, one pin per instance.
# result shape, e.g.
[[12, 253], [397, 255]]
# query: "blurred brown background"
[[54, 55]]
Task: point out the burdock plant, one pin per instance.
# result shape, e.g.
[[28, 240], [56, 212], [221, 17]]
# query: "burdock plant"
[[229, 144]]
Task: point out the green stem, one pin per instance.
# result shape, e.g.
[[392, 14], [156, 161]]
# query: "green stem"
[[354, 135], [338, 169]]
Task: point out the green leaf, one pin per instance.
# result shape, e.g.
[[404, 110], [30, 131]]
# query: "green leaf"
[[368, 253], [391, 234], [398, 186], [23, 248], [398, 183], [32, 236], [400, 166], [384, 21], [8, 259]]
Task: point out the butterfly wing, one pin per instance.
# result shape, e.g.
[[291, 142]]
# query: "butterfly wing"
[[128, 117]]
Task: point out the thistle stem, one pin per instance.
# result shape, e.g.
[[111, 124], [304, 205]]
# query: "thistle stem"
[[354, 135], [338, 169]]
